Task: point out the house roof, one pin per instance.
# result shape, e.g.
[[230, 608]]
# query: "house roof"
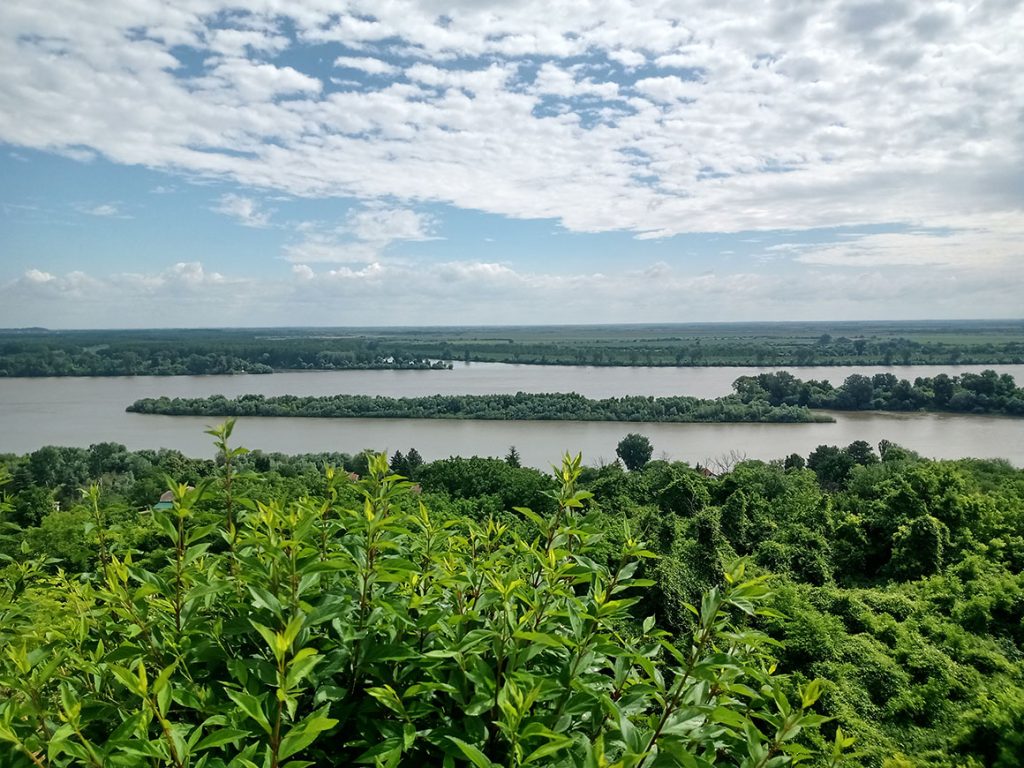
[[167, 499]]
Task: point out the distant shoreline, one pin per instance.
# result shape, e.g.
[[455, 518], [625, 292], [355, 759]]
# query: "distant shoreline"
[[265, 351]]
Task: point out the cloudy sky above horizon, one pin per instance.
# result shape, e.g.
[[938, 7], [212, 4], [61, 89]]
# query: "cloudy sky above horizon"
[[347, 162]]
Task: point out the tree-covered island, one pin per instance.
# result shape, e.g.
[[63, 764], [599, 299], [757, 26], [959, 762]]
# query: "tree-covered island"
[[766, 398], [518, 407]]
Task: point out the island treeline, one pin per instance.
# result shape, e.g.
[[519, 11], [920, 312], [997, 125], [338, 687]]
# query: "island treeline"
[[521, 406], [985, 392], [38, 352], [766, 398], [894, 582]]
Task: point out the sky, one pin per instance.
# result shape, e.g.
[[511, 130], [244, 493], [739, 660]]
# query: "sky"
[[199, 163]]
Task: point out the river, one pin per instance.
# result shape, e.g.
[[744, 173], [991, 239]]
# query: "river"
[[82, 411]]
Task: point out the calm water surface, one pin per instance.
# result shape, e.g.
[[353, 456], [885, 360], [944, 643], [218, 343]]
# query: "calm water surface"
[[81, 411]]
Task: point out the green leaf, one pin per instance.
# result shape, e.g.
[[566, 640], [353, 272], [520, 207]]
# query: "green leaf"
[[475, 756], [551, 641], [530, 515], [305, 732], [727, 717], [300, 666], [386, 695], [221, 737], [252, 707], [810, 693], [551, 748], [164, 676]]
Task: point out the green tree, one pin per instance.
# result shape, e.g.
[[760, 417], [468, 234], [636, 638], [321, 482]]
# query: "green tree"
[[794, 461], [30, 506], [635, 451], [832, 465], [399, 464], [414, 462], [512, 457], [861, 452]]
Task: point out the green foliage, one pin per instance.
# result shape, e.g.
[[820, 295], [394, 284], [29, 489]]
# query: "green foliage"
[[987, 392], [686, 494], [634, 450], [902, 586], [520, 406], [316, 631], [512, 457]]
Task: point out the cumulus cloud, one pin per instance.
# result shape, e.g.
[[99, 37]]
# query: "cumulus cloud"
[[627, 58], [245, 210], [40, 286], [366, 64], [37, 276]]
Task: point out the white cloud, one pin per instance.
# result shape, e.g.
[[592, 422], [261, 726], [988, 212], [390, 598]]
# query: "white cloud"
[[383, 225], [977, 248], [668, 89], [180, 279], [762, 116], [40, 287], [554, 80], [103, 210], [245, 81], [366, 64], [245, 210], [238, 42], [38, 276], [328, 248], [627, 58], [454, 292], [363, 238]]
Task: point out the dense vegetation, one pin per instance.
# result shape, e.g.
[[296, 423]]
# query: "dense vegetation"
[[174, 353], [37, 352], [768, 397], [896, 580], [985, 392], [520, 406], [356, 628]]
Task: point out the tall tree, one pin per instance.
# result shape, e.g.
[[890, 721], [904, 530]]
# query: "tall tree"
[[635, 450], [512, 457]]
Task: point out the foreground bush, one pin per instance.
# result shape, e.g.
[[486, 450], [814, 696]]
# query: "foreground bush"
[[309, 632]]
